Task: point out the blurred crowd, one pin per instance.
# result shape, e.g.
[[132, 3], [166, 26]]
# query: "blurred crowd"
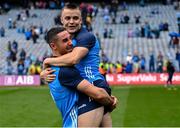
[[135, 63]]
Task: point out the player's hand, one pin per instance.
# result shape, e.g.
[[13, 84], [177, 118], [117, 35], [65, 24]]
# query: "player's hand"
[[114, 105], [115, 101], [47, 75], [46, 63]]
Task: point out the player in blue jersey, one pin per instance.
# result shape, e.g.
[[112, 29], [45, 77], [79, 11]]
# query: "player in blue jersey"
[[85, 53], [64, 87]]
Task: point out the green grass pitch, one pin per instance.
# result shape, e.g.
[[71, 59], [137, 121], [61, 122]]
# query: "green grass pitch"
[[151, 106]]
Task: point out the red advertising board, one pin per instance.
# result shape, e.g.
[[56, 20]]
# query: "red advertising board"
[[15, 80], [141, 79], [113, 79]]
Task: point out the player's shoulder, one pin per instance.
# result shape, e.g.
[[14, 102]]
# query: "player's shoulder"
[[67, 69], [83, 33]]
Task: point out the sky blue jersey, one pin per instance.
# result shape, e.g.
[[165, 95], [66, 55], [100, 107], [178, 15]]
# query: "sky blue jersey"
[[89, 65], [64, 93]]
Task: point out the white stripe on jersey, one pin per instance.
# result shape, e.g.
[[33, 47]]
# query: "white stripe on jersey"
[[73, 116]]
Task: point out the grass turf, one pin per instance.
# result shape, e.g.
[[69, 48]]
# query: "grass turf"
[[138, 106]]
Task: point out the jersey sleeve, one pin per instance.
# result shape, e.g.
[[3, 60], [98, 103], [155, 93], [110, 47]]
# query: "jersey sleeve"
[[86, 40], [70, 77]]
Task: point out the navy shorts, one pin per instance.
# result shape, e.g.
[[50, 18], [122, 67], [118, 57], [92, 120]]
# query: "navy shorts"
[[86, 104]]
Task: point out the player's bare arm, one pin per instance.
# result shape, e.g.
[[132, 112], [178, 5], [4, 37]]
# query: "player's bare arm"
[[69, 59]]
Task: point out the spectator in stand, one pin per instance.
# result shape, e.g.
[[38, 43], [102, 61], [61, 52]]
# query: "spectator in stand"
[[166, 26], [9, 51], [32, 69], [28, 34], [35, 34], [121, 18], [18, 16], [114, 7], [110, 33], [38, 68], [178, 21], [160, 56], [113, 20], [126, 19], [170, 42], [142, 63], [130, 33], [161, 26], [14, 24], [147, 30], [129, 58], [15, 47], [142, 31], [137, 32], [2, 32], [152, 62], [178, 58], [137, 19], [102, 69], [175, 42], [159, 65], [135, 57], [99, 39], [104, 57], [22, 54], [129, 67], [155, 31], [112, 68], [107, 19], [124, 5], [41, 29], [9, 70], [136, 68], [27, 63], [176, 4], [119, 68], [27, 13], [20, 67], [10, 23], [105, 33]]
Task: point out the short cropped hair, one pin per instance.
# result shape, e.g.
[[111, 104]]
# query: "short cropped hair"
[[52, 34], [69, 6]]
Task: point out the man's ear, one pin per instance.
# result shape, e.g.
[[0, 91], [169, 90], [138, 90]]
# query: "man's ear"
[[61, 19], [53, 46]]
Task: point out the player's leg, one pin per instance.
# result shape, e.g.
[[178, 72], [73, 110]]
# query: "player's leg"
[[107, 120], [90, 112], [92, 118]]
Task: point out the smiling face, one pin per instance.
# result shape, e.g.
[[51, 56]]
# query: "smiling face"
[[71, 19], [62, 44]]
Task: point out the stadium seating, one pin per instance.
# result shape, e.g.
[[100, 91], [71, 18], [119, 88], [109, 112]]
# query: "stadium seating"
[[116, 48]]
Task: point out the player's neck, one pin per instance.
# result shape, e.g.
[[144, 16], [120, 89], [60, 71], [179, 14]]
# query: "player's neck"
[[55, 53]]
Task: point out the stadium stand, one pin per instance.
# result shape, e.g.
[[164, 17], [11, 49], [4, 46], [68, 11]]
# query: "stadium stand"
[[116, 47]]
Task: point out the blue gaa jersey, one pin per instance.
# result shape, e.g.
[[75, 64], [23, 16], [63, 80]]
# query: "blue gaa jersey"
[[64, 93], [88, 66]]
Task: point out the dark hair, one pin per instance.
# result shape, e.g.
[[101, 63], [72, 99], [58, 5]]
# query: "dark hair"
[[69, 6], [52, 34]]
